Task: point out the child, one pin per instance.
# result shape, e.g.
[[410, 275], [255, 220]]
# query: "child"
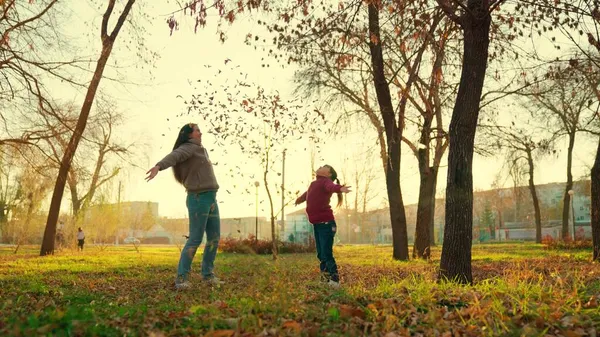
[[319, 213], [80, 239]]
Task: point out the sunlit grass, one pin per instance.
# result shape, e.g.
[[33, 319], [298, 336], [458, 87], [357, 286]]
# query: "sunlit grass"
[[519, 290]]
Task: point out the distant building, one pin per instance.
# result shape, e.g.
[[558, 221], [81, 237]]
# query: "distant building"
[[297, 228], [132, 214], [245, 227], [511, 213], [156, 234]]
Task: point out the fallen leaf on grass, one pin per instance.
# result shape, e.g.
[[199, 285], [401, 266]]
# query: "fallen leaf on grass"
[[232, 322], [292, 325], [45, 329], [347, 311], [575, 333], [220, 304], [269, 332], [540, 322], [592, 303], [156, 334], [220, 333]]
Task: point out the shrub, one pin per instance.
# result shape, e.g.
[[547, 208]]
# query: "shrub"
[[552, 243], [263, 247], [156, 240]]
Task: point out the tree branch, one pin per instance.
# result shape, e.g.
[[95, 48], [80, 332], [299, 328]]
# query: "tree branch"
[[105, 18], [450, 12]]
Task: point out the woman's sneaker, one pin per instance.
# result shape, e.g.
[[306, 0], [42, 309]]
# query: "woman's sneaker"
[[215, 281]]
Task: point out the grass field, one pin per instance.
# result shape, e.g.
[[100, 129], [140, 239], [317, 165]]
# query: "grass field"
[[519, 290]]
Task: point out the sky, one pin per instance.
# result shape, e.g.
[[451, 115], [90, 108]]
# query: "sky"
[[148, 95]]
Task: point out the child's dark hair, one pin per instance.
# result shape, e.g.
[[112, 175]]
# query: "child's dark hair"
[[182, 137], [334, 178]]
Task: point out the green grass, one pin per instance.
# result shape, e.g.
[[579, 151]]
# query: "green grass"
[[519, 290]]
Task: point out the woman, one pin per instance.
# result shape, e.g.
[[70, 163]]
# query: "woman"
[[193, 169]]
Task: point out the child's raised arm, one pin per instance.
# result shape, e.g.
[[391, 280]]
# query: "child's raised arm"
[[300, 199], [332, 187]]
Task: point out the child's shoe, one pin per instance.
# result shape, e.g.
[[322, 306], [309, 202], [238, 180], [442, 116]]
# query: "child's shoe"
[[333, 284]]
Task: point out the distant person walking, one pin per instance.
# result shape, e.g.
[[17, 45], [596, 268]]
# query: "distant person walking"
[[193, 169], [320, 215], [80, 239]]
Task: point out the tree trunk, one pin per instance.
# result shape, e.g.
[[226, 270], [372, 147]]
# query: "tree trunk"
[[421, 248], [75, 201], [393, 137], [433, 189], [455, 263], [273, 226], [89, 197], [596, 205], [425, 215], [534, 198], [567, 199], [355, 210], [65, 164]]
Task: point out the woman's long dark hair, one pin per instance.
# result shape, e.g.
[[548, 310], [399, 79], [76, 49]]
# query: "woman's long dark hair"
[[182, 137], [334, 177]]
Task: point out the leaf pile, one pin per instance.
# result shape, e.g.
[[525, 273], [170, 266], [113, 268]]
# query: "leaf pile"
[[116, 292]]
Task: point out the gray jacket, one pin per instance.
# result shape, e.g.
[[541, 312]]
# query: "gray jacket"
[[196, 168]]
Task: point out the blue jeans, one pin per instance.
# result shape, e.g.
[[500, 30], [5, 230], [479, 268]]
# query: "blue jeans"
[[324, 234], [204, 217]]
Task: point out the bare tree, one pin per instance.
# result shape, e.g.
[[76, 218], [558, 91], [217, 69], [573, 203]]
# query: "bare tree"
[[10, 192], [522, 146], [358, 172], [91, 168], [108, 41], [362, 55], [35, 189], [568, 106], [28, 57]]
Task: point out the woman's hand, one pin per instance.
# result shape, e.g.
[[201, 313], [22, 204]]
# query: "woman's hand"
[[345, 189], [152, 172]]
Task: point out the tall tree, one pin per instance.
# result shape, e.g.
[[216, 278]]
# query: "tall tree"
[[522, 142], [108, 41], [338, 53], [91, 167], [566, 102], [573, 20], [474, 20], [393, 132]]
